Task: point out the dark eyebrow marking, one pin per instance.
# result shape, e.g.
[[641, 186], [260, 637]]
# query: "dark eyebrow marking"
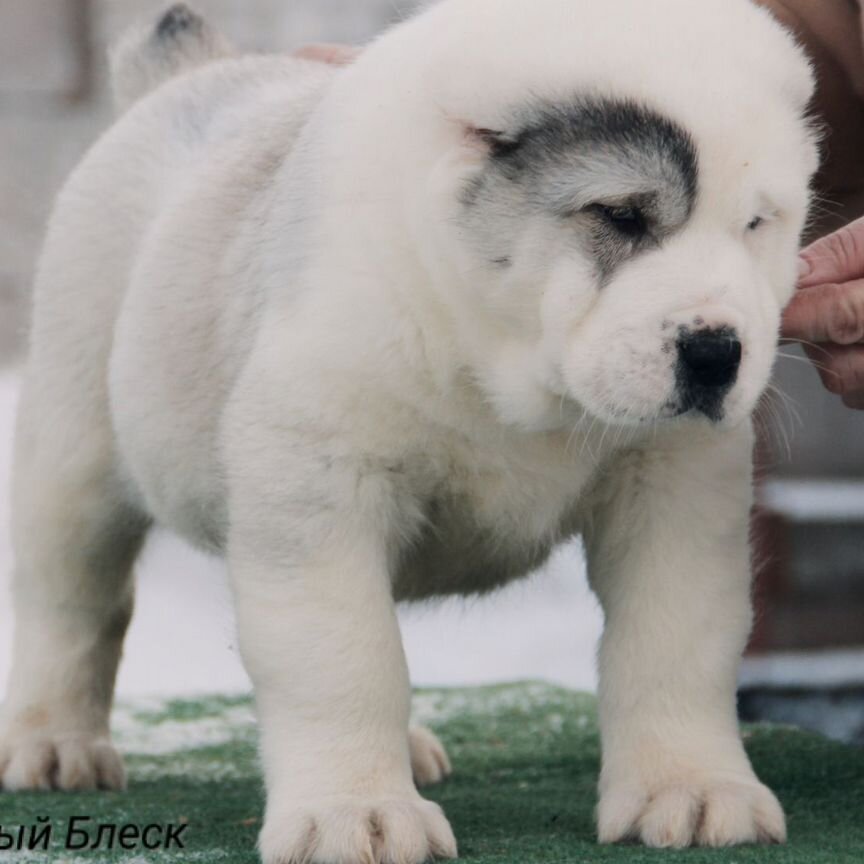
[[621, 128]]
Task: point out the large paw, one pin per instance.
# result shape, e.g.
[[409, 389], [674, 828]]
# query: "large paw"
[[70, 763], [696, 812], [429, 761], [354, 830]]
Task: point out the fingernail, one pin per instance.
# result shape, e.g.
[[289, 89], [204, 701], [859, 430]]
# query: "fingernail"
[[805, 268]]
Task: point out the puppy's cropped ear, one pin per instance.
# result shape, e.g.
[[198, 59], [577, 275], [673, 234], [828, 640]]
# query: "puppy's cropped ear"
[[491, 142]]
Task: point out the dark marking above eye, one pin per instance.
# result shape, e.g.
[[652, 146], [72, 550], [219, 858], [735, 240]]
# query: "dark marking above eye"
[[503, 261], [652, 144]]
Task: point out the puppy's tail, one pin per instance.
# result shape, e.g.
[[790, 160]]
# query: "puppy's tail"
[[146, 56]]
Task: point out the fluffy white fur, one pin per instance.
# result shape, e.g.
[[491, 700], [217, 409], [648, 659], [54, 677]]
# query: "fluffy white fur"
[[259, 322]]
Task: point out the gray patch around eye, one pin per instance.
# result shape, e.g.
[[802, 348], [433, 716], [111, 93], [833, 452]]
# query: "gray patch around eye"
[[563, 158]]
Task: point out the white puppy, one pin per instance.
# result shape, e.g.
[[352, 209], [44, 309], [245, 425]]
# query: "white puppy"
[[394, 331]]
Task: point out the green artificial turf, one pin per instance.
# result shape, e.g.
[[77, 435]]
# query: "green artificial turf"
[[525, 757]]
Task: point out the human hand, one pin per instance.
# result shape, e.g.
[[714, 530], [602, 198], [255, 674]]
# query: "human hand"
[[827, 313]]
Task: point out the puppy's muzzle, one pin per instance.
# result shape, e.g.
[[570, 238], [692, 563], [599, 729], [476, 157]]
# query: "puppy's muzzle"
[[708, 364]]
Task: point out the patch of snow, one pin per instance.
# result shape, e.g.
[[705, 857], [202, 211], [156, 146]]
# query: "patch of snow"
[[136, 735], [438, 707]]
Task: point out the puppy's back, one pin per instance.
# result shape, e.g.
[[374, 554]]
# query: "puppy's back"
[[179, 136]]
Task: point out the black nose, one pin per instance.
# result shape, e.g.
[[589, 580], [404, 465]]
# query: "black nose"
[[710, 358]]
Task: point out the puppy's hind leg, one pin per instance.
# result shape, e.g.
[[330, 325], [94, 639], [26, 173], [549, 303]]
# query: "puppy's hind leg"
[[430, 763], [75, 540]]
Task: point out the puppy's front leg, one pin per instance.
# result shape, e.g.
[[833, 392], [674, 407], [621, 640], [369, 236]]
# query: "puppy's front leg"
[[322, 645], [670, 562]]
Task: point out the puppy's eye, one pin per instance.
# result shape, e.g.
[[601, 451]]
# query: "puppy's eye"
[[757, 222], [629, 221]]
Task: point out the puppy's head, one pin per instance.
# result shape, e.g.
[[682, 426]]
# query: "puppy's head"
[[617, 206]]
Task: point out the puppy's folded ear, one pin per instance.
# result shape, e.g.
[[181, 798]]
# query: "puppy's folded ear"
[[492, 142]]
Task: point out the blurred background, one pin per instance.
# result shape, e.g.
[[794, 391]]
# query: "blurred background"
[[806, 663]]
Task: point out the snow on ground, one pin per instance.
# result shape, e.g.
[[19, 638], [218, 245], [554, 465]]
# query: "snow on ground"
[[182, 641]]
